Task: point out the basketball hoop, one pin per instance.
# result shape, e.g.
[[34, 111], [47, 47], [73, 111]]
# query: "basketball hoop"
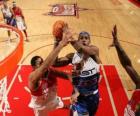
[[4, 106], [11, 60]]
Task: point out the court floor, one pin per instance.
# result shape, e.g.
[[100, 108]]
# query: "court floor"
[[94, 16]]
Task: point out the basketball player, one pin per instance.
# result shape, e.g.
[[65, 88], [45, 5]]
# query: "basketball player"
[[85, 98], [8, 17], [42, 81], [20, 19], [133, 106]]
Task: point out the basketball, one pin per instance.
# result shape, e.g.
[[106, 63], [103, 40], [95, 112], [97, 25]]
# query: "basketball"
[[58, 29]]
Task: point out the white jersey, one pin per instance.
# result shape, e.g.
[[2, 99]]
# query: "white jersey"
[[6, 12], [90, 66], [87, 79]]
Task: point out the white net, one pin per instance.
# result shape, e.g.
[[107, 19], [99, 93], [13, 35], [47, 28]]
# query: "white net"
[[11, 47], [4, 104]]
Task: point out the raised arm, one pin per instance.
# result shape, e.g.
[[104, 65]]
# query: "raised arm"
[[91, 50], [88, 49], [37, 74], [124, 59], [63, 61]]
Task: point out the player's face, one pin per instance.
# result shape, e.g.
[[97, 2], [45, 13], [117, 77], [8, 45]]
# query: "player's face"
[[84, 39], [38, 63]]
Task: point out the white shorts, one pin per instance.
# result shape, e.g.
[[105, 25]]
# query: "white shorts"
[[42, 110], [45, 103], [20, 23], [40, 103]]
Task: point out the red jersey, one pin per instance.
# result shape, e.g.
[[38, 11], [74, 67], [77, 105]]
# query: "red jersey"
[[45, 83], [42, 88], [17, 11], [132, 104]]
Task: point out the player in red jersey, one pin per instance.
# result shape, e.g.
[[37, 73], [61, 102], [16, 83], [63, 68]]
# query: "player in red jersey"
[[20, 19], [42, 81], [133, 106]]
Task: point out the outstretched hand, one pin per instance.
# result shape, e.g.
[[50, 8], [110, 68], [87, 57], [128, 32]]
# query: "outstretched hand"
[[67, 37], [114, 32], [114, 35]]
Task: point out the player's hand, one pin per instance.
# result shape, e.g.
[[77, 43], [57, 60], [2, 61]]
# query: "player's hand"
[[65, 28], [114, 32], [74, 97], [115, 38], [67, 37]]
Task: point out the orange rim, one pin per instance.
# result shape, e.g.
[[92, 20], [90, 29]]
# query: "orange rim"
[[11, 61]]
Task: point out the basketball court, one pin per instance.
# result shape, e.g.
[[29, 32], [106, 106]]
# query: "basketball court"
[[94, 16]]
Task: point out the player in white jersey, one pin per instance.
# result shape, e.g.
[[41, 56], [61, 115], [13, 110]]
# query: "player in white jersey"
[[8, 16], [133, 106], [85, 98]]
